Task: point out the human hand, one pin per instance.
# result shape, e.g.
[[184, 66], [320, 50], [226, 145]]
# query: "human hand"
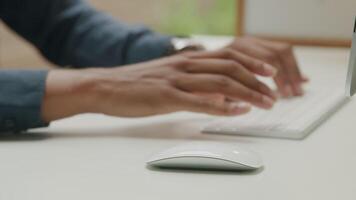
[[206, 82], [289, 79]]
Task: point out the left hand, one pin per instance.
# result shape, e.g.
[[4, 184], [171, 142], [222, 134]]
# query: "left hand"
[[289, 78]]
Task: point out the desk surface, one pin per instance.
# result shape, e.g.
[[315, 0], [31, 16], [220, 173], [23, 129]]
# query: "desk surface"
[[93, 157]]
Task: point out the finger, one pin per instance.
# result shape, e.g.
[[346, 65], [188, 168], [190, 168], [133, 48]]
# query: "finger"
[[217, 96], [252, 64], [305, 78], [208, 83], [262, 53], [201, 104], [230, 69], [288, 61]]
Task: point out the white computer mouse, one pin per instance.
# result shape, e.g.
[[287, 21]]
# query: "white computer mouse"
[[207, 155]]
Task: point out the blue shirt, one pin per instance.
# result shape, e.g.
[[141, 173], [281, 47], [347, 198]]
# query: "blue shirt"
[[67, 33]]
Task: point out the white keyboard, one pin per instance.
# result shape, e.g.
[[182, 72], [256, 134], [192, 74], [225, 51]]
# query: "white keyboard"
[[290, 118]]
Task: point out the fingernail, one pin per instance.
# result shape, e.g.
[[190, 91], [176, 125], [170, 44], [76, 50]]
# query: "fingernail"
[[276, 94], [299, 91], [269, 92], [268, 101], [243, 105], [305, 78], [240, 108], [269, 69], [288, 91]]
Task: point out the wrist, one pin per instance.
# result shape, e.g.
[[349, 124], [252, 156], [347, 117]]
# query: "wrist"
[[68, 93]]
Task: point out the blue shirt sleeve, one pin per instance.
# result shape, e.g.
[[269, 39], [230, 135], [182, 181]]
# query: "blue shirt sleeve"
[[21, 96], [68, 33], [72, 33]]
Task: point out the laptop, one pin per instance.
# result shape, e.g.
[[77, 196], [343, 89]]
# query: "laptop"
[[292, 118]]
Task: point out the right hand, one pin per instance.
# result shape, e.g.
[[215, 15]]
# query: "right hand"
[[198, 82]]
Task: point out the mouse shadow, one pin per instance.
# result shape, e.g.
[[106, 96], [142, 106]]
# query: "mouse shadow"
[[206, 171]]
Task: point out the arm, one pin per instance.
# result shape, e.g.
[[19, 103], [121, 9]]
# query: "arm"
[[195, 81], [70, 32], [67, 32], [206, 82]]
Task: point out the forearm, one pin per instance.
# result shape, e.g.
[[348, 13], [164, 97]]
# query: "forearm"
[[34, 98]]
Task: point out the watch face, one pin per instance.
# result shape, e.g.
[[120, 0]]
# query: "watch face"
[[351, 75]]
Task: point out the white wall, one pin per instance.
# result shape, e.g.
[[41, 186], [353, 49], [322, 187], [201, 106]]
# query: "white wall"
[[301, 18]]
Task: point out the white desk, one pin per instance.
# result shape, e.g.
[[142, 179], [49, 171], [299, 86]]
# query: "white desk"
[[93, 157]]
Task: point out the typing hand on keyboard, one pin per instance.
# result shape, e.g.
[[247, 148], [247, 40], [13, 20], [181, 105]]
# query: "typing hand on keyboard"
[[289, 79]]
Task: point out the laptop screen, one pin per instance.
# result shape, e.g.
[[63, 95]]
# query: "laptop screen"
[[351, 74]]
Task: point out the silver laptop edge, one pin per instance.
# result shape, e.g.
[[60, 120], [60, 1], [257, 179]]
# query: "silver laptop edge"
[[351, 74]]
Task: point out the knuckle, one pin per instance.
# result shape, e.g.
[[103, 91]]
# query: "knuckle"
[[258, 97], [283, 78], [167, 92], [172, 80], [182, 62], [242, 70], [224, 109], [188, 54], [297, 79], [285, 47], [218, 107], [203, 103], [228, 53], [254, 96], [232, 67], [175, 80], [254, 63], [257, 63], [249, 95], [222, 82], [271, 57]]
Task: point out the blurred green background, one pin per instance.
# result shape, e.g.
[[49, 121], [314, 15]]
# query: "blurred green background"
[[184, 17]]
